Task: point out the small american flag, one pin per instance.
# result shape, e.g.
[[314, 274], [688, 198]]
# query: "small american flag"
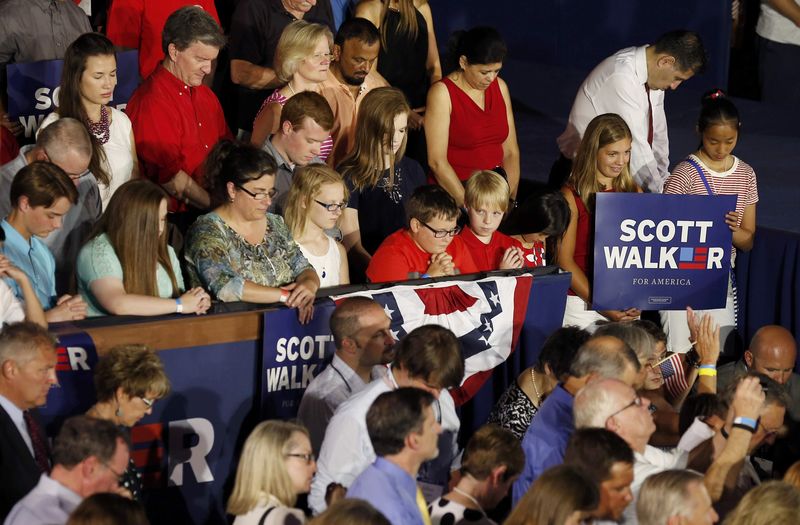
[[674, 376]]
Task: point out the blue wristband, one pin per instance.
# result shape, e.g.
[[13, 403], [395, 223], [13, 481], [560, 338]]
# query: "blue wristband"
[[709, 367], [747, 421], [425, 276], [178, 306]]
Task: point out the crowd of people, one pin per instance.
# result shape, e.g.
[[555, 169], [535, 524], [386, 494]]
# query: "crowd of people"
[[350, 152]]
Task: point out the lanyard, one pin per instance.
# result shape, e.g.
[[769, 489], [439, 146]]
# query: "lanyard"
[[702, 175], [346, 384]]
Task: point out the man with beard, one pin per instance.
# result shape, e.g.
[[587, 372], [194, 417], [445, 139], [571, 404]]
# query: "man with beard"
[[355, 50]]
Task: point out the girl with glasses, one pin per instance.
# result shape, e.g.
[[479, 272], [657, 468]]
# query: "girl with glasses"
[[302, 60], [314, 204], [238, 250]]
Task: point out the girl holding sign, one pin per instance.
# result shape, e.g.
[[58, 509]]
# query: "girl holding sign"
[[714, 170], [601, 164]]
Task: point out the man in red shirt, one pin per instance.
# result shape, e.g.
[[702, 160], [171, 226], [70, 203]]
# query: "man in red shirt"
[[429, 247], [137, 24], [176, 119]]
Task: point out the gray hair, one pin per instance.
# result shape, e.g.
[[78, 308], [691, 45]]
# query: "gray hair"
[[641, 342], [81, 437], [188, 25], [604, 356], [20, 342], [595, 402], [664, 495]]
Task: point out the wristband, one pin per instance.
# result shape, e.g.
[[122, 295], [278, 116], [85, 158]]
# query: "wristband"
[[178, 306], [708, 367], [749, 422], [710, 372], [425, 276], [284, 296]]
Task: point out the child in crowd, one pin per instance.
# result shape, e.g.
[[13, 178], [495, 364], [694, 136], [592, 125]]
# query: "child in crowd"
[[602, 164], [540, 218], [429, 247], [714, 170], [314, 204], [486, 198]]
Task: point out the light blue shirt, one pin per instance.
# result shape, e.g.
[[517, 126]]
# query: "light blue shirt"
[[36, 260], [389, 489]]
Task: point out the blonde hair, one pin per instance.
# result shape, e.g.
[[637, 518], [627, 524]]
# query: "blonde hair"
[[306, 184], [297, 43], [602, 130], [262, 466], [374, 132], [792, 475], [488, 189], [408, 21], [771, 503]]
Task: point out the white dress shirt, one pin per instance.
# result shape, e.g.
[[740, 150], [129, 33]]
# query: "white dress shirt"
[[332, 387], [347, 450], [49, 503], [617, 85]]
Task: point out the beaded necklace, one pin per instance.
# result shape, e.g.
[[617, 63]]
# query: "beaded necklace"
[[101, 130]]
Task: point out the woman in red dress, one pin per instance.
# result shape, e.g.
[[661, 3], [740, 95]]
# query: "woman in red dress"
[[469, 123]]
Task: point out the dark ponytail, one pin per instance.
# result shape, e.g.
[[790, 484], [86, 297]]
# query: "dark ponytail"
[[716, 108], [479, 45], [236, 162]]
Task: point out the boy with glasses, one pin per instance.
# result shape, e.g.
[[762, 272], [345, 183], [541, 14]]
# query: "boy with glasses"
[[429, 247]]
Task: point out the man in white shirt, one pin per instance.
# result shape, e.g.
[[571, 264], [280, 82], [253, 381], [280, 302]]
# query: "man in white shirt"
[[364, 343], [428, 358], [631, 83], [89, 456], [27, 371], [613, 405]]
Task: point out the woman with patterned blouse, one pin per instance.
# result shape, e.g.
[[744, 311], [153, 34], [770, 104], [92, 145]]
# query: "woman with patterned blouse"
[[239, 252]]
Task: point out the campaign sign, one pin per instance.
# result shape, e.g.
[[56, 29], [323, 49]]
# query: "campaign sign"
[[293, 355], [33, 88], [661, 252], [76, 357]]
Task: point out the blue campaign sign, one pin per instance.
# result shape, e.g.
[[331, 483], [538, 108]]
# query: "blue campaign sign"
[[33, 88], [293, 354], [661, 252], [74, 392]]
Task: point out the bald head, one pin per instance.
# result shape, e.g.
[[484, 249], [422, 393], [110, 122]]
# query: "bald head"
[[772, 352]]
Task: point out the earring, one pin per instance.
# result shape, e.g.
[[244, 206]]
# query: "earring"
[[118, 413]]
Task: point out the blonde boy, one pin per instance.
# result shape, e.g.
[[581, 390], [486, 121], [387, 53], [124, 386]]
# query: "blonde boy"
[[486, 197]]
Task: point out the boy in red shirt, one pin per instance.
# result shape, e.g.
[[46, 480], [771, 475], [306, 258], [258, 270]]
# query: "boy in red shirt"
[[486, 197], [429, 247]]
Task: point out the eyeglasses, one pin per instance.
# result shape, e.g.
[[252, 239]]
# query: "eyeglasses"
[[442, 233], [78, 176], [147, 402], [334, 206], [118, 475], [309, 458], [260, 196], [637, 401]]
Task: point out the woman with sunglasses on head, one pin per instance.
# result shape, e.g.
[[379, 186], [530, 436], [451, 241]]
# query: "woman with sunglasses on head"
[[238, 251], [128, 380], [314, 204], [275, 467], [87, 88], [302, 59]]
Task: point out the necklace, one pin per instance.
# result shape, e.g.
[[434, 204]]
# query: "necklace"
[[533, 382], [469, 497], [101, 130], [289, 85]]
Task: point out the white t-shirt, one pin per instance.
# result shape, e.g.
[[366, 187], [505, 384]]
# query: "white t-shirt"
[[10, 308], [774, 26]]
